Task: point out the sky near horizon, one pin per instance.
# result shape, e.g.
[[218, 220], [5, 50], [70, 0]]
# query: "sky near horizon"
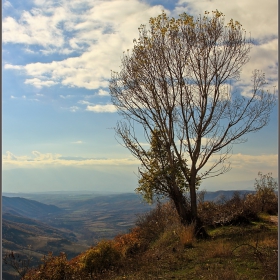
[[57, 117]]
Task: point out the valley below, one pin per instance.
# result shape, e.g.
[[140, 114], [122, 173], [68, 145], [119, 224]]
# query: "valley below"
[[35, 224]]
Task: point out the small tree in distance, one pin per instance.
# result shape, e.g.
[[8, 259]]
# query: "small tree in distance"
[[177, 81], [265, 188]]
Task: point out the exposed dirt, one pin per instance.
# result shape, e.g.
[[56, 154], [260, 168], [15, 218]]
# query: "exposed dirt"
[[274, 219]]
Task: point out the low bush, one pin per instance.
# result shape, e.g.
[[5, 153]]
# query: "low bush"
[[235, 211], [102, 257], [152, 224], [52, 268], [130, 243]]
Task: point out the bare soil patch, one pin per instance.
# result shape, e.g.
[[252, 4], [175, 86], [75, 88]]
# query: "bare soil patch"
[[274, 219]]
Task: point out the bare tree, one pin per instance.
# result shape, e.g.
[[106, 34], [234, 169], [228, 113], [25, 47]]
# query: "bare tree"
[[178, 80], [265, 188]]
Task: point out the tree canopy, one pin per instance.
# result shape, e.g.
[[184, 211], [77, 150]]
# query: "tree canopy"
[[177, 83]]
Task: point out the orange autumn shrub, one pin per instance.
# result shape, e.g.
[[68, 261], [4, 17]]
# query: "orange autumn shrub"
[[52, 268], [130, 243]]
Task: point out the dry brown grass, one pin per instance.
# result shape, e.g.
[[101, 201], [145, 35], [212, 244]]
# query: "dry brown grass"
[[219, 250], [227, 273], [268, 242], [186, 235]]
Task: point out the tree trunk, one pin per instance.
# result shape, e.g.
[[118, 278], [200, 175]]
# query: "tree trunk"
[[185, 214], [181, 206], [193, 200], [200, 231], [192, 186]]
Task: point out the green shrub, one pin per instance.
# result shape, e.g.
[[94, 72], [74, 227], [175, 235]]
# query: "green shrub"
[[100, 258]]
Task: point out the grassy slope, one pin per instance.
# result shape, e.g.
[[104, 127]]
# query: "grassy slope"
[[232, 252]]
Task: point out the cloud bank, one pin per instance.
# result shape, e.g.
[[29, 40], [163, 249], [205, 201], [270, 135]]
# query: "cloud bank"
[[40, 160], [239, 162], [93, 35]]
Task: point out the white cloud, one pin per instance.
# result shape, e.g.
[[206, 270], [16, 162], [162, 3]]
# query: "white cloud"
[[78, 142], [107, 108], [40, 160], [9, 156], [98, 108], [39, 83], [65, 96], [84, 102], [102, 92], [247, 166], [97, 32], [241, 161], [264, 57], [74, 109], [44, 157], [24, 97], [15, 67], [7, 4], [100, 31], [33, 28], [258, 18], [244, 167]]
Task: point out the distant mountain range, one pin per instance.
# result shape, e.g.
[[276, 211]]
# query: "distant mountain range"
[[47, 205], [215, 196]]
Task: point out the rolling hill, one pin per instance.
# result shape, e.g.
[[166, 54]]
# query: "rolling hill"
[[26, 207]]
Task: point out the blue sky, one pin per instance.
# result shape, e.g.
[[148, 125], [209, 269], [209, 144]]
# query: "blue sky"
[[57, 118]]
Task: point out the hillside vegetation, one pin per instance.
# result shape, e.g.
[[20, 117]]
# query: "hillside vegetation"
[[242, 244]]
